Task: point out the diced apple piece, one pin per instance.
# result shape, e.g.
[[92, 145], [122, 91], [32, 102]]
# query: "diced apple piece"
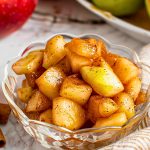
[[24, 94], [100, 62], [67, 113], [125, 103], [125, 70], [117, 119], [101, 49], [64, 65], [31, 77], [82, 47], [77, 61], [90, 41], [102, 80], [54, 52], [100, 107], [89, 48], [107, 107], [133, 87], [46, 116], [38, 102], [111, 58], [75, 89], [50, 81], [93, 107], [25, 83], [28, 64], [141, 98]]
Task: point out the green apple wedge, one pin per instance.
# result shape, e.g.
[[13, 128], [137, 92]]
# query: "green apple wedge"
[[119, 7], [102, 79], [147, 3]]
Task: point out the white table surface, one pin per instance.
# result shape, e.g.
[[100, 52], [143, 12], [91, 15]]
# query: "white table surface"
[[59, 16]]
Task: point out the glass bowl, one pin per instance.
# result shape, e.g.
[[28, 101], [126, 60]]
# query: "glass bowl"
[[54, 137]]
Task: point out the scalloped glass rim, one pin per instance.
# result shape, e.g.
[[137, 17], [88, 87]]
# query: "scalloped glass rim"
[[62, 129]]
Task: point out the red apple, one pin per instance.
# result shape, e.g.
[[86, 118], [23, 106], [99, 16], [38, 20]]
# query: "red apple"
[[13, 14]]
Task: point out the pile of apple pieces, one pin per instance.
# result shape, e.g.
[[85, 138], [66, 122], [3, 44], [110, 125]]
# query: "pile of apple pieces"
[[68, 84]]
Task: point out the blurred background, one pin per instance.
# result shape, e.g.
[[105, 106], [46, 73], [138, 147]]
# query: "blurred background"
[[14, 13], [26, 21]]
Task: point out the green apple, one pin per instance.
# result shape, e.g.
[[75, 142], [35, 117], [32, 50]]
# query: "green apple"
[[102, 79], [119, 7], [147, 2]]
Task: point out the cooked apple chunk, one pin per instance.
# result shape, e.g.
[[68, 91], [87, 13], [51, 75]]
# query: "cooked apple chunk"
[[82, 47], [101, 49], [54, 51], [133, 87], [38, 102], [125, 103], [24, 94], [89, 48], [75, 89], [25, 83], [107, 107], [46, 116], [77, 61], [31, 77], [93, 107], [111, 58], [67, 113], [141, 98], [28, 64], [99, 106], [64, 65], [50, 81], [117, 119], [102, 80], [125, 69]]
